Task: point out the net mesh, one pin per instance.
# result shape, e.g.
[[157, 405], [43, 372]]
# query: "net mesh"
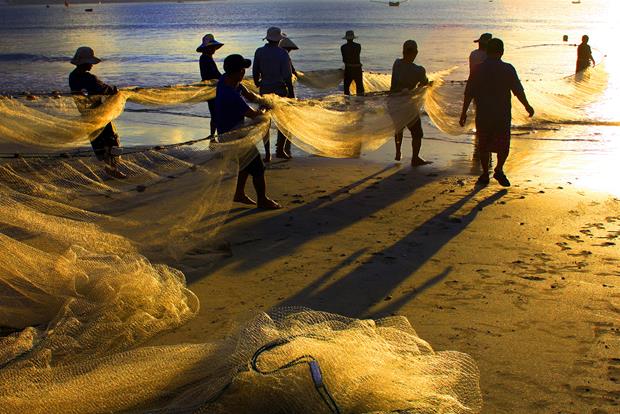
[[84, 286]]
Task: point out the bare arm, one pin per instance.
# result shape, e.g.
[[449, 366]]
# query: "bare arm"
[[466, 102], [523, 99]]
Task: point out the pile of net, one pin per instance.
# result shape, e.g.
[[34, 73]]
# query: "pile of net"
[[291, 361]]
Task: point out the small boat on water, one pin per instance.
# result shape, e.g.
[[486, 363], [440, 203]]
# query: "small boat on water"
[[88, 10], [390, 3], [576, 1]]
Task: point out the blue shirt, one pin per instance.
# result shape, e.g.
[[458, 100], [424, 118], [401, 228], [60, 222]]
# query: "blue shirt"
[[230, 107], [491, 85], [272, 67]]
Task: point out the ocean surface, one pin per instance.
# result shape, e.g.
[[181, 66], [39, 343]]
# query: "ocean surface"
[[153, 44]]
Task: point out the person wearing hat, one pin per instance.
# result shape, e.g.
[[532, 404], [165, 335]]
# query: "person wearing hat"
[[477, 56], [208, 68], [490, 86], [272, 73], [406, 75], [352, 65], [91, 89], [288, 45], [232, 110], [584, 55]]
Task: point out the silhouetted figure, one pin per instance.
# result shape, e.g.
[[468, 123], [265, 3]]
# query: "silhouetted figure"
[[89, 91], [584, 55], [407, 75], [490, 86], [232, 110], [477, 56], [208, 68], [352, 65], [272, 73], [288, 45]]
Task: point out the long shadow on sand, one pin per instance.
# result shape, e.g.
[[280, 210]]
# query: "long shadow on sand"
[[317, 218], [370, 283]]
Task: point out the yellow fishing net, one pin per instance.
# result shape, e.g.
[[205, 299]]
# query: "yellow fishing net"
[[88, 265]]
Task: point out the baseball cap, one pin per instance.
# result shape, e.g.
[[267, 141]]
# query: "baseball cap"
[[234, 63]]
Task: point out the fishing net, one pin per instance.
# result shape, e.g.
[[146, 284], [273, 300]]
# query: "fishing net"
[[293, 361]]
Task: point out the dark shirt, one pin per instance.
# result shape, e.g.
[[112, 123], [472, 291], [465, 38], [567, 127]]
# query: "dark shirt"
[[85, 81], [407, 76], [230, 107], [272, 67], [491, 85], [208, 68], [584, 54], [351, 53]]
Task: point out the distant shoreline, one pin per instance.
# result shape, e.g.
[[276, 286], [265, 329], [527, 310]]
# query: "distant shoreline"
[[75, 2]]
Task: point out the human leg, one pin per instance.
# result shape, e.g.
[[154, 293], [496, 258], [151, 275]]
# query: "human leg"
[[416, 143], [359, 82], [347, 81], [398, 141]]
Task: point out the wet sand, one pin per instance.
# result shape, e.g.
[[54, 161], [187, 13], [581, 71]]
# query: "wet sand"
[[524, 279]]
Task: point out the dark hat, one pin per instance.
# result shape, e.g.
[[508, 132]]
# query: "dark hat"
[[495, 45], [234, 63], [208, 41], [484, 38], [349, 35]]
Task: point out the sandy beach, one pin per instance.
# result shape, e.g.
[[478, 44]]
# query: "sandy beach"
[[524, 279]]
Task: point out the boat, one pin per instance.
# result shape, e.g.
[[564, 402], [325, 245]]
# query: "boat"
[[394, 3], [389, 3], [576, 1], [67, 3], [88, 10]]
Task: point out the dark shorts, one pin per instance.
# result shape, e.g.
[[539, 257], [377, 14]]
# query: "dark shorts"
[[493, 141], [106, 139], [416, 129], [255, 166]]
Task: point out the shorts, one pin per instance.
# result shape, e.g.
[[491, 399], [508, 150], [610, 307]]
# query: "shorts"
[[255, 167], [108, 138], [416, 129], [493, 141]]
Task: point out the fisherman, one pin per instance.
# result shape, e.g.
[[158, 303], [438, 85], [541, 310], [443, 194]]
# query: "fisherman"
[[272, 73], [584, 55], [288, 45], [477, 56], [406, 75], [490, 86], [352, 65], [208, 68], [232, 109], [88, 90]]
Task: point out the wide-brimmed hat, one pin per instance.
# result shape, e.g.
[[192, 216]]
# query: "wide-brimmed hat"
[[234, 63], [484, 38], [287, 43], [349, 35], [274, 34], [209, 41], [85, 55]]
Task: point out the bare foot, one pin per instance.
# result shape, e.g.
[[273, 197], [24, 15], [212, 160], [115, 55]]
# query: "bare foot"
[[242, 198], [397, 157], [268, 204], [267, 158], [284, 155], [416, 162]]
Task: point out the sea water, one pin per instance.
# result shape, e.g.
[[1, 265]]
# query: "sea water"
[[153, 44]]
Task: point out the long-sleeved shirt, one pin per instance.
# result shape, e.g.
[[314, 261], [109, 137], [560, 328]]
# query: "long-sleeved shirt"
[[208, 68], [272, 67], [80, 81], [351, 53]]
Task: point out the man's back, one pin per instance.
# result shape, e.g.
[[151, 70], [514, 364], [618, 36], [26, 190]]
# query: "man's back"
[[80, 80], [272, 67], [407, 76], [351, 53], [491, 86], [476, 57]]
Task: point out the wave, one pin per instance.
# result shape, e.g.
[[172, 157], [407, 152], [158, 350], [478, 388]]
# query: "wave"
[[27, 57]]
